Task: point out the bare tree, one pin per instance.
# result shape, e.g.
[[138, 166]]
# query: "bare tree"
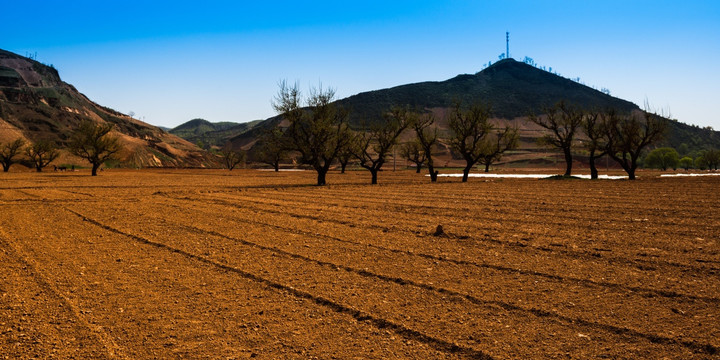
[[318, 133], [93, 142], [562, 120], [41, 154], [413, 151], [9, 152], [374, 145], [469, 128], [344, 158], [493, 148], [593, 126], [272, 148], [628, 135], [232, 158], [427, 137]]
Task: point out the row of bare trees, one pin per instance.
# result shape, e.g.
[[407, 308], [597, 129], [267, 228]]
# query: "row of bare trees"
[[320, 135], [623, 137], [90, 141], [40, 153]]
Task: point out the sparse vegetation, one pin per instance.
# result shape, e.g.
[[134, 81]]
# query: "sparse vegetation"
[[318, 133], [628, 135], [593, 126], [492, 147], [373, 146], [413, 152], [427, 137], [9, 152], [41, 154], [346, 155], [231, 157], [272, 148], [469, 129], [562, 121], [93, 142]]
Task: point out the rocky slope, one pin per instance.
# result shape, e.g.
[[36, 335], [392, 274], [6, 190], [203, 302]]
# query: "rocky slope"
[[36, 104]]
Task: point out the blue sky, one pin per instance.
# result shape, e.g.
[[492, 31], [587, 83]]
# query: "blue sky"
[[170, 62]]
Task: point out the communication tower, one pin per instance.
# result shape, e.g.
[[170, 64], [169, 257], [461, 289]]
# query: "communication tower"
[[507, 44]]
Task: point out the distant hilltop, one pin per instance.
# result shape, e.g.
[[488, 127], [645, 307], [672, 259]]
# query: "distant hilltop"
[[35, 104], [513, 89]]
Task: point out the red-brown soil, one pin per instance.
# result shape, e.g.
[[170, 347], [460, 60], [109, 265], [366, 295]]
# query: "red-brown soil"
[[241, 264]]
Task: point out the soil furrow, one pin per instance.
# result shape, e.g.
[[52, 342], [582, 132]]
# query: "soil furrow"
[[573, 254], [112, 349], [696, 346], [481, 215], [380, 323]]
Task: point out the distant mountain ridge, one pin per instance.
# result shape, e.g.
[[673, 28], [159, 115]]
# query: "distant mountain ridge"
[[210, 134], [36, 104]]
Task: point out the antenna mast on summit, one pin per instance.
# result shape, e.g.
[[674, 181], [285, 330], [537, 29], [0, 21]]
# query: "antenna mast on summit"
[[507, 44]]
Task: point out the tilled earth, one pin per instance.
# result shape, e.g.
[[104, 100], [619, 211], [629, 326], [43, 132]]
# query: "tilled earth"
[[251, 264]]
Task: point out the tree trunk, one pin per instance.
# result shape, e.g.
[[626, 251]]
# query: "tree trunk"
[[321, 176], [38, 168], [466, 172], [6, 167], [95, 168], [487, 167], [418, 168], [342, 167], [631, 174], [568, 161], [433, 173], [276, 166], [593, 168], [373, 173]]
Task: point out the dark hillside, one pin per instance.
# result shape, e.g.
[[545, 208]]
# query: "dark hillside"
[[512, 88]]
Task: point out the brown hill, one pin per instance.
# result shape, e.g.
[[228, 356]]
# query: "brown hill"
[[36, 104]]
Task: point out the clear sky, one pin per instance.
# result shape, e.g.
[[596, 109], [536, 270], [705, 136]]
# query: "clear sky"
[[173, 61]]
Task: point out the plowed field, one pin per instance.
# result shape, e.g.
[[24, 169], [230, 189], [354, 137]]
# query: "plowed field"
[[241, 264]]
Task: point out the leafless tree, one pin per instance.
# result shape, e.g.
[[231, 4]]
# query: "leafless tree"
[[563, 121], [231, 157], [427, 137], [413, 152], [469, 128], [9, 151], [319, 133], [272, 148], [373, 146], [41, 154], [593, 125], [628, 135], [493, 147], [93, 142], [344, 158]]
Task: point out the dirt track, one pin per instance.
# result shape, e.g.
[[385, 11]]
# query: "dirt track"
[[213, 264]]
